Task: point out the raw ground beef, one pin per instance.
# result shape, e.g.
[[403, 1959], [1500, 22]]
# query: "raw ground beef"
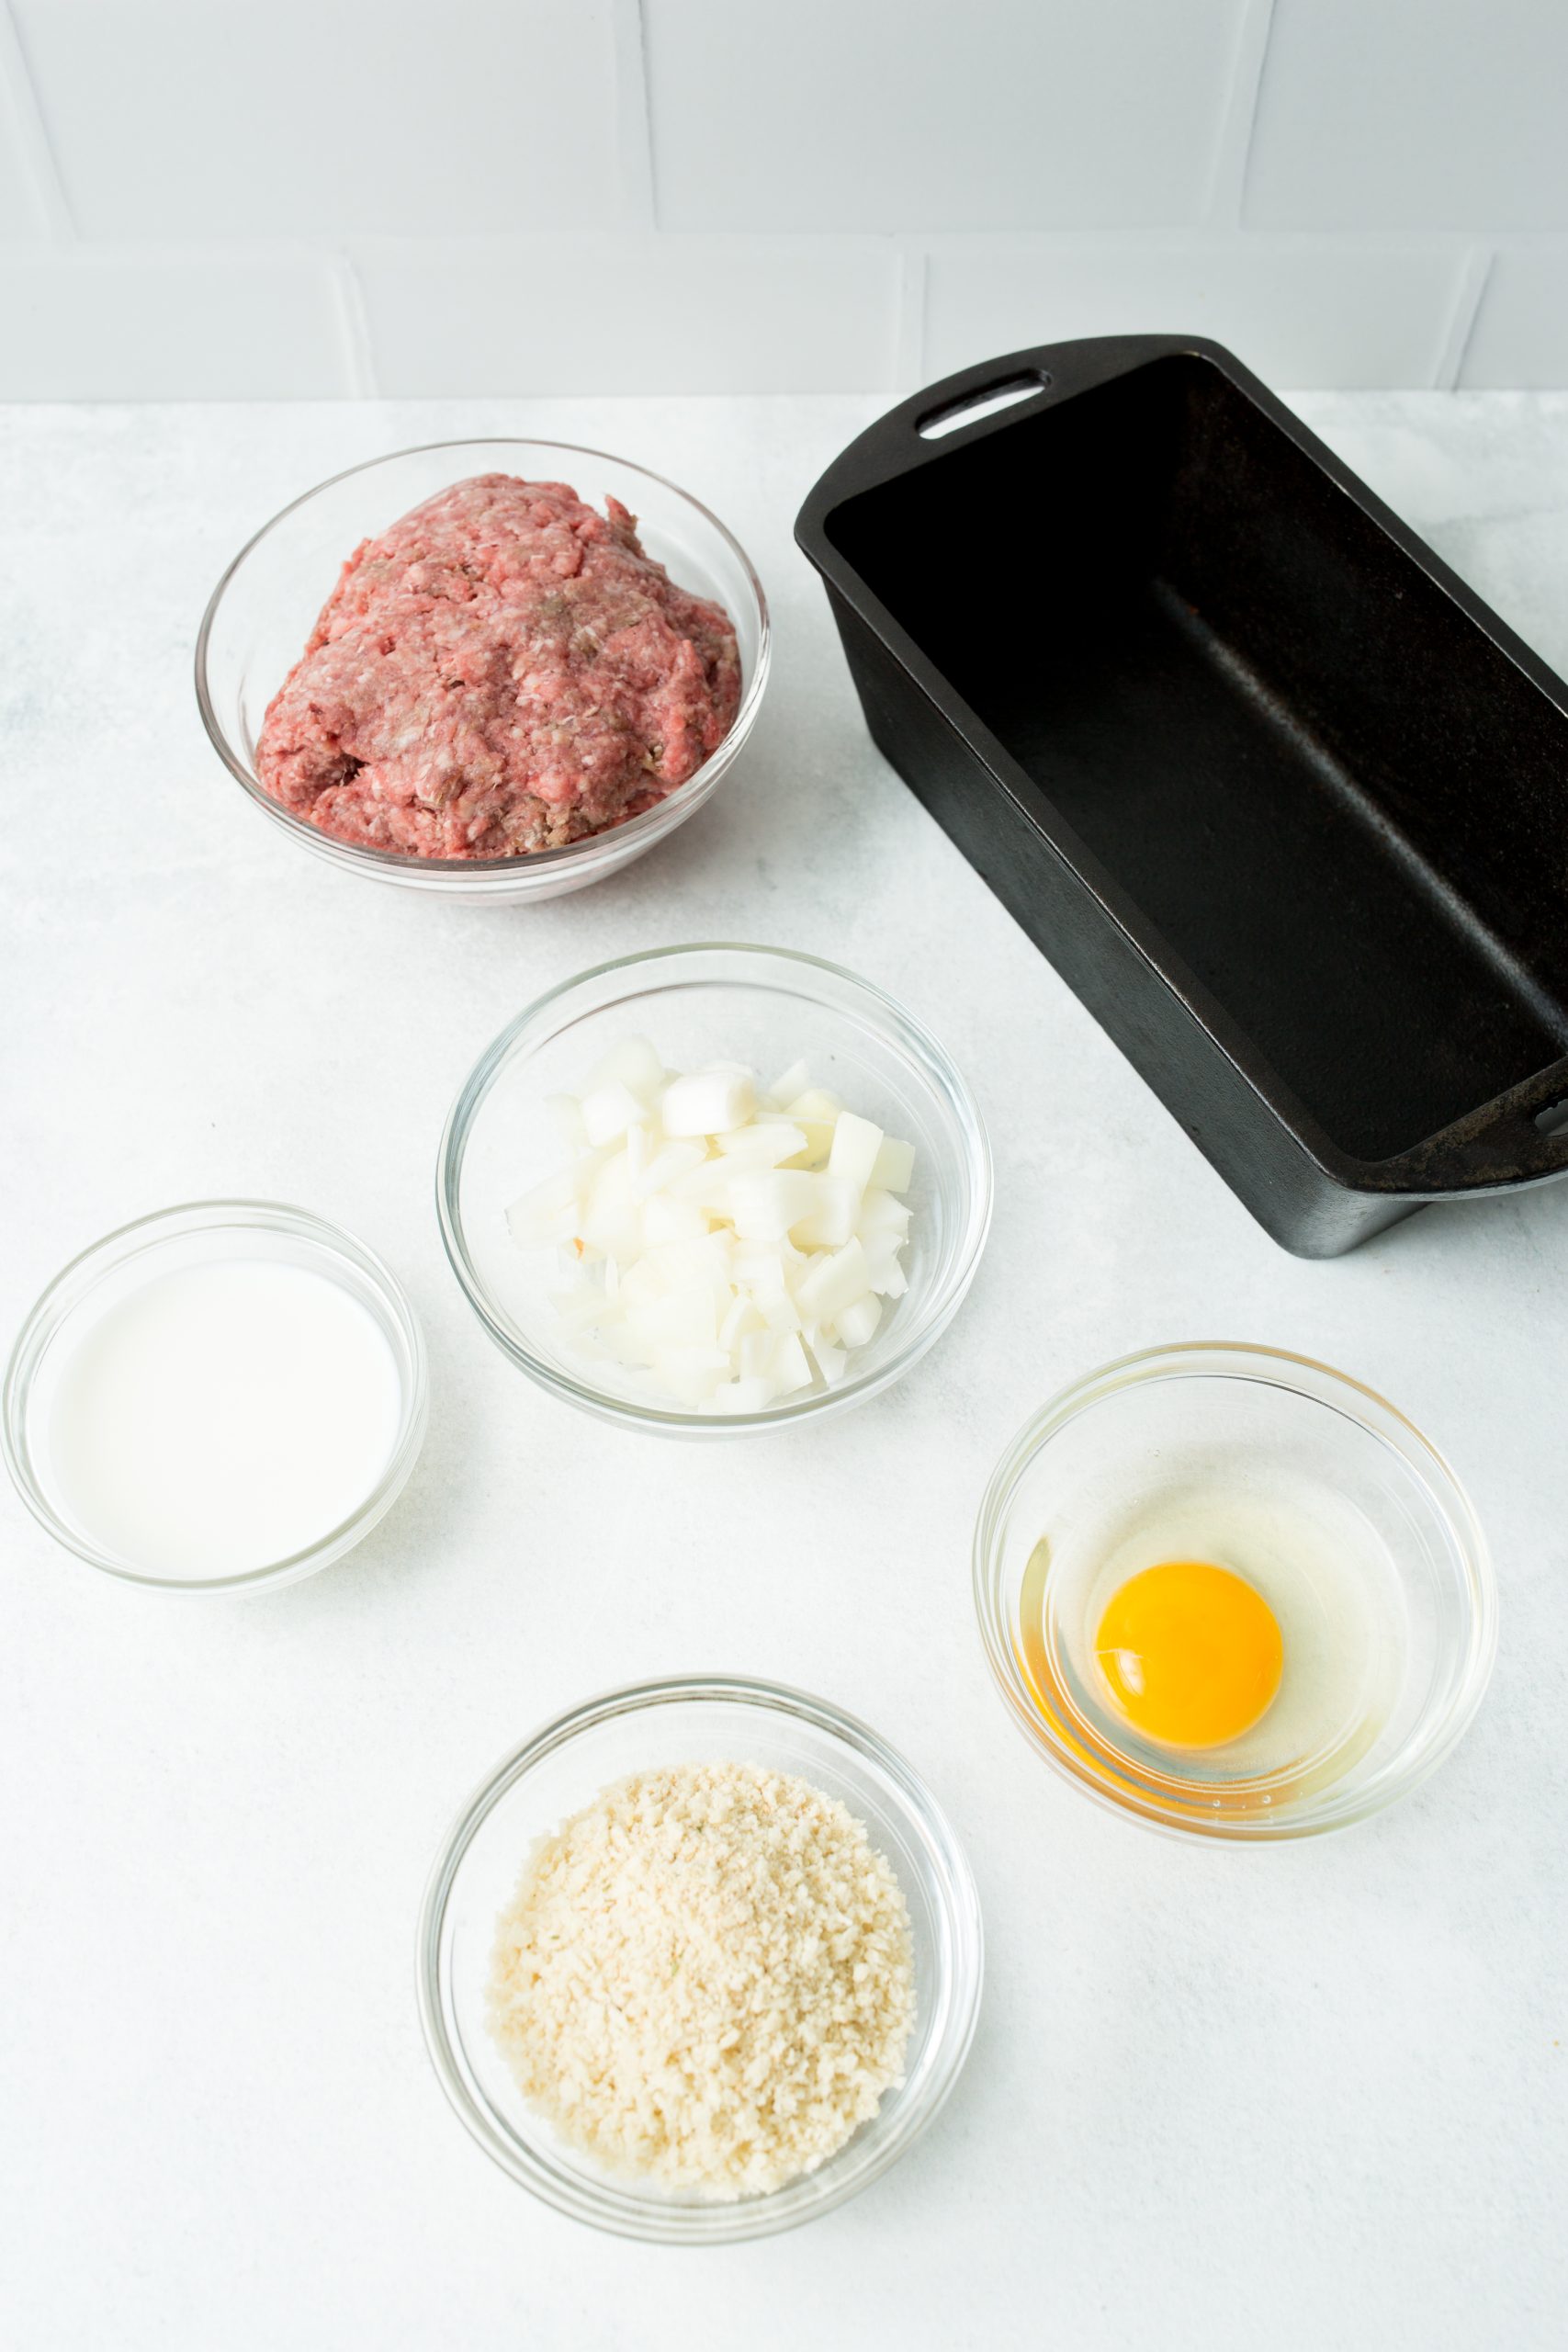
[[503, 670]]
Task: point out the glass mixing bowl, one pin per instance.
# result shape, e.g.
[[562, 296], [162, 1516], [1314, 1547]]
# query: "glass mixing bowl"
[[263, 609], [1390, 1624], [764, 1006], [167, 1242], [705, 1718]]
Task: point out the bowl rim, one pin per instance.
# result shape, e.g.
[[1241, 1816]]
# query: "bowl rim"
[[624, 1411], [66, 1292], [644, 829], [1237, 1359], [612, 2206]]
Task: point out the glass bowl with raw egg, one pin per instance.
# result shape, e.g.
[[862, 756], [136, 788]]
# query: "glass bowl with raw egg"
[[1233, 1593], [715, 1190]]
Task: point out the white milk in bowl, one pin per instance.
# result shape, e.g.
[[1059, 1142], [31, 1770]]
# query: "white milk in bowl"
[[220, 1403]]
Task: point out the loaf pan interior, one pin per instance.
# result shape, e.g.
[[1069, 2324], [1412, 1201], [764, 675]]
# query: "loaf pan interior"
[[1339, 805]]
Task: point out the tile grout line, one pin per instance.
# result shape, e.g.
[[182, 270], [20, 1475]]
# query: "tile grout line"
[[1233, 150], [1474, 277], [354, 327], [20, 99], [634, 125]]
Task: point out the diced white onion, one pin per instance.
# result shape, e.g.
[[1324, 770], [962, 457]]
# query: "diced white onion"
[[857, 1322], [853, 1154], [609, 1110], [767, 1143], [794, 1082], [707, 1103], [632, 1064], [765, 1206], [832, 1283], [729, 1247], [894, 1167], [830, 1220]]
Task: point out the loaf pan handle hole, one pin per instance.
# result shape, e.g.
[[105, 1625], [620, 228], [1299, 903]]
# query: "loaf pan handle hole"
[[1553, 1120], [972, 406]]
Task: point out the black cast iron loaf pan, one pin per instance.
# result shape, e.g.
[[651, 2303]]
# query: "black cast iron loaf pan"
[[1282, 800]]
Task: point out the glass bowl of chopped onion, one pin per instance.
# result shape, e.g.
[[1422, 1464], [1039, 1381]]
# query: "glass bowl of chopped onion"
[[599, 1762], [713, 1190]]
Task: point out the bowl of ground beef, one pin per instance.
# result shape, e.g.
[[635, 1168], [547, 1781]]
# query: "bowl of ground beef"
[[536, 660]]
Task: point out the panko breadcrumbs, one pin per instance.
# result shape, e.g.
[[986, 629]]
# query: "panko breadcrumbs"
[[707, 1978]]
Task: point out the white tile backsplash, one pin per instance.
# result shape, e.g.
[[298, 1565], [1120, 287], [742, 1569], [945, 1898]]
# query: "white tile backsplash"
[[327, 117], [255, 197], [660, 314], [169, 327], [30, 192], [834, 114], [1301, 313], [1520, 342], [22, 219], [1411, 114]]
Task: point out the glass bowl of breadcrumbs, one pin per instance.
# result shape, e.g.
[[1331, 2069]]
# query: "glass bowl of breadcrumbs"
[[700, 1960]]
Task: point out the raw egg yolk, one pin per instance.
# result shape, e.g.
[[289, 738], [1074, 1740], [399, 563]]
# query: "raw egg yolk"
[[1192, 1653]]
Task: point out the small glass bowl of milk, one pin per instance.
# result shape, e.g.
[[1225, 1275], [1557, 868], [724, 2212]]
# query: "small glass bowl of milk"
[[218, 1396]]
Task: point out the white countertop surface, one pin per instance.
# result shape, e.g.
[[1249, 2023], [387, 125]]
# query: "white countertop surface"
[[1301, 2098]]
